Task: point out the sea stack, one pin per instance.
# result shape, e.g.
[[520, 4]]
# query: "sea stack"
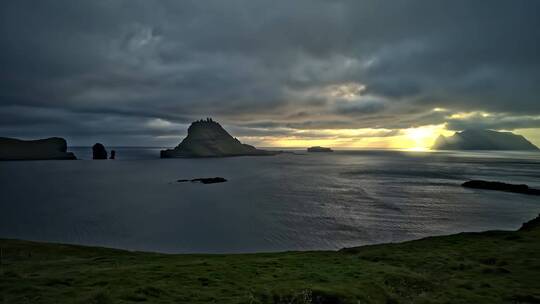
[[484, 140], [99, 152], [207, 138], [40, 149]]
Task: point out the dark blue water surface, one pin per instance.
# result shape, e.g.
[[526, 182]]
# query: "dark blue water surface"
[[283, 202]]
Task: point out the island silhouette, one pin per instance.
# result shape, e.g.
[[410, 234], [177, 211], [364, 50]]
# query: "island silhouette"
[[483, 140], [319, 149], [40, 149], [207, 138]]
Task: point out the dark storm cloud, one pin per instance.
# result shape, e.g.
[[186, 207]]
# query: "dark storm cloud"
[[363, 107], [87, 69]]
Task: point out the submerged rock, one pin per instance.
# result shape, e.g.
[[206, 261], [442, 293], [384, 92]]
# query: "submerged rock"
[[483, 140], [207, 138], [40, 149], [99, 152], [319, 149], [480, 184], [206, 180]]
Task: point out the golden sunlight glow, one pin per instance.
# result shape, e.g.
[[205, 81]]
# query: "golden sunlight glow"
[[468, 115], [289, 142], [419, 139], [413, 139]]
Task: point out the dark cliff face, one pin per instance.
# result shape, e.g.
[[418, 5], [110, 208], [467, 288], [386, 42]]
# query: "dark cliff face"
[[483, 140], [208, 139], [41, 149]]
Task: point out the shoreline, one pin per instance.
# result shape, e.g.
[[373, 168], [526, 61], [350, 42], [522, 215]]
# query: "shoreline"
[[468, 267]]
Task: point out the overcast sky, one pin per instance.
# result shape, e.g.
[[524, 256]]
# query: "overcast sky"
[[128, 72]]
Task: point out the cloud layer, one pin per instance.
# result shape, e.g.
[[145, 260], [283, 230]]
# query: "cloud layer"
[[137, 72]]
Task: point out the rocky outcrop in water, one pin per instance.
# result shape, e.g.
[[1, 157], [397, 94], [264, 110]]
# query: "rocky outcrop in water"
[[207, 138], [483, 140], [41, 149], [480, 184], [98, 151], [204, 180], [319, 149]]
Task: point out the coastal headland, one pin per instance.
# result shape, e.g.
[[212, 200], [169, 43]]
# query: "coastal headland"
[[485, 267]]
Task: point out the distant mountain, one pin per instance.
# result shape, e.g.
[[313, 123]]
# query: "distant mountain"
[[207, 138], [483, 140], [41, 149]]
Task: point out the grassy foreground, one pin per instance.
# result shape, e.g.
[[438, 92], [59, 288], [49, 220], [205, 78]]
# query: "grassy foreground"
[[488, 267]]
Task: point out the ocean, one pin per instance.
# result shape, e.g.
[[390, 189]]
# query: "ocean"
[[315, 201]]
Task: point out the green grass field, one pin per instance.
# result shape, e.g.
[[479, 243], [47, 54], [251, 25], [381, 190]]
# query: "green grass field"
[[488, 267]]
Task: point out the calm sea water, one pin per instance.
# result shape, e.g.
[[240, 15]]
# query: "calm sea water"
[[285, 202]]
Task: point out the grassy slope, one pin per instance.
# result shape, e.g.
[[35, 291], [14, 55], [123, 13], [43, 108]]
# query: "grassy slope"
[[489, 267]]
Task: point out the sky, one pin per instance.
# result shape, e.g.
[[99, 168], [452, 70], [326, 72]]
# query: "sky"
[[366, 74]]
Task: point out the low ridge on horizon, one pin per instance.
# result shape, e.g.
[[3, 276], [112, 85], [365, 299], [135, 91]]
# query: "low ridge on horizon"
[[52, 148]]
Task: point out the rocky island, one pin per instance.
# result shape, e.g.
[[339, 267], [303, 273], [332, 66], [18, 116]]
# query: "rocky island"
[[483, 140], [319, 149], [498, 186], [40, 149], [207, 138]]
